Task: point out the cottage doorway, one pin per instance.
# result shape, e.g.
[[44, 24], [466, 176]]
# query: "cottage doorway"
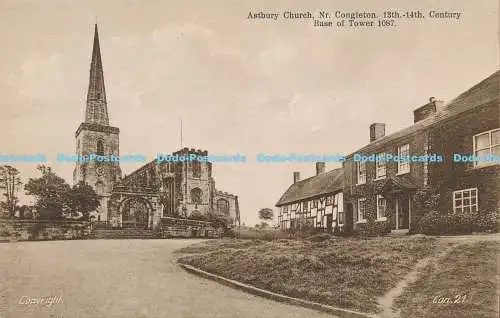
[[329, 221], [402, 212]]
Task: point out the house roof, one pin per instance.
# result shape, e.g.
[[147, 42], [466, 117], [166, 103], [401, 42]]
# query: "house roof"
[[484, 92], [324, 183], [395, 183]]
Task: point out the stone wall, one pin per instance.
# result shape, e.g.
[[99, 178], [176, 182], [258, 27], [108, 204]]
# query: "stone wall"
[[32, 230], [174, 227]]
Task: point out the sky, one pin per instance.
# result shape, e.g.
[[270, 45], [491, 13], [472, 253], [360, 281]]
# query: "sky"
[[240, 85]]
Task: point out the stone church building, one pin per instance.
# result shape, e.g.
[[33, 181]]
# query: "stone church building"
[[157, 190]]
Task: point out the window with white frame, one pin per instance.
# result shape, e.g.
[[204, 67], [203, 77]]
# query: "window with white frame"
[[487, 144], [403, 162], [380, 165], [381, 206], [361, 209], [361, 172], [465, 200]]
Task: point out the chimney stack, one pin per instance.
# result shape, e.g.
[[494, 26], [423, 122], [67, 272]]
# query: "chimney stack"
[[427, 110], [320, 167], [296, 177], [377, 130]]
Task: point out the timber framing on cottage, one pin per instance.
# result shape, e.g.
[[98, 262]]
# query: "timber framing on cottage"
[[316, 201]]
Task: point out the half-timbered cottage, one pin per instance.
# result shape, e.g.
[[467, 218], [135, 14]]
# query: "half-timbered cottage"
[[316, 201]]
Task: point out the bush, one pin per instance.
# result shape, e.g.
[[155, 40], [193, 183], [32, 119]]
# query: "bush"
[[434, 223], [373, 228], [487, 222], [460, 223]]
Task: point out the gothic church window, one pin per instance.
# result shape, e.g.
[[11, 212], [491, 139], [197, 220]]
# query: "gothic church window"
[[100, 147], [196, 196], [223, 206]]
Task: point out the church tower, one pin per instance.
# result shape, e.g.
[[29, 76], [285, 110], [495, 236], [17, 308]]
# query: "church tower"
[[96, 137]]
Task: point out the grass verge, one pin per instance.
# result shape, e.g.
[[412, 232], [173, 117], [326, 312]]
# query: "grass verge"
[[463, 284], [346, 273]]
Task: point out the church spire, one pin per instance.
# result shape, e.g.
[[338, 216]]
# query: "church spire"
[[97, 110]]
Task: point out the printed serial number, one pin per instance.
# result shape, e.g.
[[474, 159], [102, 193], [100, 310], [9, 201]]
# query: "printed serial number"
[[458, 299]]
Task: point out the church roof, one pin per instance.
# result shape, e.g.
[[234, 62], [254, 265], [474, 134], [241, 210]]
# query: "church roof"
[[324, 183]]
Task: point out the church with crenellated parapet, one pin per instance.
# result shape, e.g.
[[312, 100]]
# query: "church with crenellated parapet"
[[158, 190]]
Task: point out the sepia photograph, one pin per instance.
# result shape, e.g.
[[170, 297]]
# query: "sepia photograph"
[[237, 158]]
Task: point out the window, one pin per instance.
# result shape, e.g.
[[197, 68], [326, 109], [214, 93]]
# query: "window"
[[329, 200], [223, 206], [305, 206], [196, 169], [486, 144], [362, 210], [315, 203], [100, 148], [380, 165], [403, 162], [285, 209], [361, 172], [381, 206], [196, 196], [465, 200]]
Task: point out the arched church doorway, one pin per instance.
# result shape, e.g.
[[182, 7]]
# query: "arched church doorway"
[[135, 213]]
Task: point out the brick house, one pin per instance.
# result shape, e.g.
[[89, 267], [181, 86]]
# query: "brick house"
[[382, 189], [316, 201]]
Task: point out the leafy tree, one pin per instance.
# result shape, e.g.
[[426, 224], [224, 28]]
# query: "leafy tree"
[[266, 214], [10, 183], [51, 192], [83, 199]]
